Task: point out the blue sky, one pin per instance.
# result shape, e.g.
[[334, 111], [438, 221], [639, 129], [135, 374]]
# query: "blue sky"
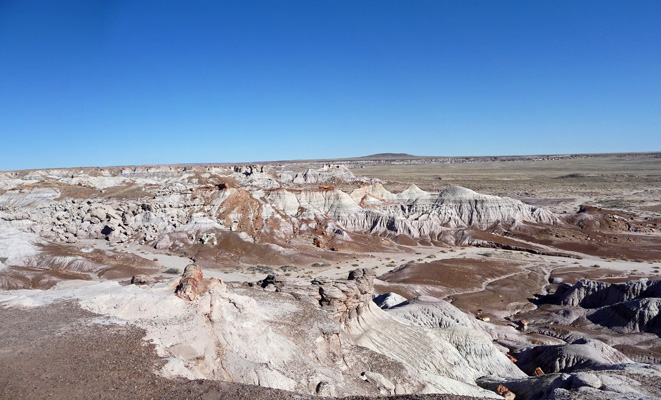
[[96, 83]]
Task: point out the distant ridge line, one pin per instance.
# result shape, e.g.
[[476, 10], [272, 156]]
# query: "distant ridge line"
[[451, 159], [381, 158]]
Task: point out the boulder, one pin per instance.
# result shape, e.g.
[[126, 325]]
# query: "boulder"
[[388, 300]]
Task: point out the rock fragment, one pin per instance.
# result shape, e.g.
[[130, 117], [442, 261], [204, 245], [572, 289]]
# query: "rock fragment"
[[142, 279], [505, 392], [192, 283], [581, 379]]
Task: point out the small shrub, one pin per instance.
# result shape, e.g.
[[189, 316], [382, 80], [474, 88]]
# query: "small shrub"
[[174, 271], [262, 269], [318, 265]]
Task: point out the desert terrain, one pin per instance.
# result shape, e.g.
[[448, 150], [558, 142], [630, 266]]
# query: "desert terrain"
[[535, 277]]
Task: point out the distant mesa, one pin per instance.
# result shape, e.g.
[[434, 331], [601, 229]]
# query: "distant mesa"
[[387, 156]]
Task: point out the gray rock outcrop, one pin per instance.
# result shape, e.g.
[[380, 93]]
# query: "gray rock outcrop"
[[593, 294], [627, 307], [388, 300], [637, 315], [326, 173], [580, 354], [71, 205], [621, 382]]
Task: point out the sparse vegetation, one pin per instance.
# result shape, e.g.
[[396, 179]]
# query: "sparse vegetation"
[[262, 269], [320, 265]]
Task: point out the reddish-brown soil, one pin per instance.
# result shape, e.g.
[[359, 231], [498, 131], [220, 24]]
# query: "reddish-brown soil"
[[47, 268], [13, 278], [597, 232], [121, 192], [445, 277], [509, 243], [649, 354], [231, 250], [510, 294]]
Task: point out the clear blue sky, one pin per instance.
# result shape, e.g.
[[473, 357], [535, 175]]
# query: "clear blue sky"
[[95, 83]]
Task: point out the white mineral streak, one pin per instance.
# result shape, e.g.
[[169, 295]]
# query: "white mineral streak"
[[261, 205], [270, 339]]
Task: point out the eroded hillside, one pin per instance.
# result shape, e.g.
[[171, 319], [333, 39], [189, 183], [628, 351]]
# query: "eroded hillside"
[[473, 292]]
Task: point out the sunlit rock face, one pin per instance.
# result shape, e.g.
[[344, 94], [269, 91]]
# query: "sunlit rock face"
[[145, 203], [298, 336]]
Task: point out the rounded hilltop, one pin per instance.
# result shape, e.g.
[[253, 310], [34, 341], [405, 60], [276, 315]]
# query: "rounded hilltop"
[[387, 156]]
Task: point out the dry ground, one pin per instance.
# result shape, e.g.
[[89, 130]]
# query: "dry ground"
[[78, 359], [59, 352], [629, 183]]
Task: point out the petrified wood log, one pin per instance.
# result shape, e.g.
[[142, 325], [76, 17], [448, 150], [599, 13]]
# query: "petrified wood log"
[[188, 288], [192, 284]]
